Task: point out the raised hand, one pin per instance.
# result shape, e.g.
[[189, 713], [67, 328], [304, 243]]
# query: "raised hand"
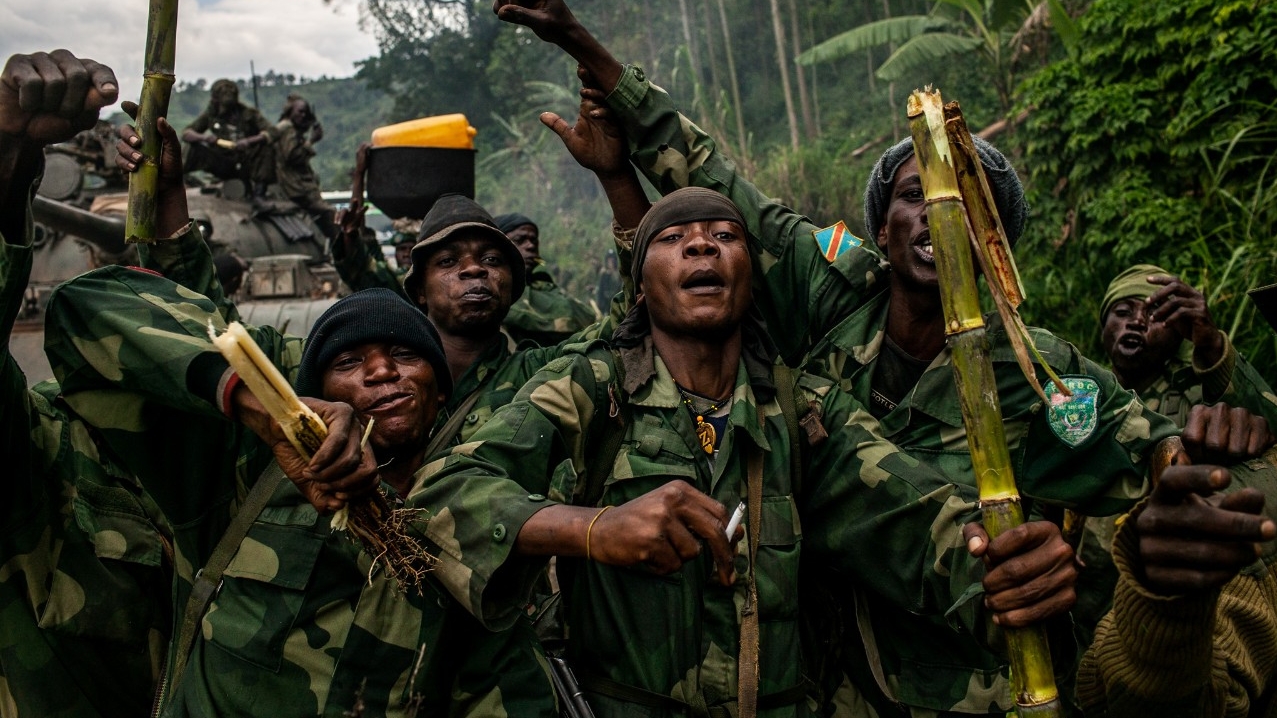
[[1184, 310], [595, 141], [171, 201], [1032, 575], [1192, 538], [48, 97], [549, 19]]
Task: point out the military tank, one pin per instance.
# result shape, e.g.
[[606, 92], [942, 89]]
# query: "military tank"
[[79, 225]]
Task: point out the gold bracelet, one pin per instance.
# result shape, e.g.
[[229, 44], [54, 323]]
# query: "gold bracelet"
[[590, 529]]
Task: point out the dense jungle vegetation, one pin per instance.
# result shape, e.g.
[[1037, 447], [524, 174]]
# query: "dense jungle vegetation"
[[1144, 130]]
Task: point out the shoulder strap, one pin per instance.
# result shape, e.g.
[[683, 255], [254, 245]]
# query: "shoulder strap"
[[747, 662], [784, 379], [209, 579], [450, 429], [610, 437]]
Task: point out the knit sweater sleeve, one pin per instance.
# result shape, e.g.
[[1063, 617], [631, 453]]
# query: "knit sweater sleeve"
[[1205, 655]]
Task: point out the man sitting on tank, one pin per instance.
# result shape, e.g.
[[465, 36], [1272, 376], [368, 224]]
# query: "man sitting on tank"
[[228, 138]]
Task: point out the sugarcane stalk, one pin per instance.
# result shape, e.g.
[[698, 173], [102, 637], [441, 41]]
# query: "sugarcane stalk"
[[989, 241], [1032, 677], [157, 86], [384, 532]]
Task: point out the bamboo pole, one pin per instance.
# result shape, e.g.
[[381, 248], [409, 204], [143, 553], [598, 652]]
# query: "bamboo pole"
[[368, 519], [157, 86], [1032, 677]]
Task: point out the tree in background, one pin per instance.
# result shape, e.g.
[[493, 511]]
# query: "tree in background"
[[1156, 143]]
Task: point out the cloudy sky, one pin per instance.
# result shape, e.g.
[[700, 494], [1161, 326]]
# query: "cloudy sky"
[[215, 38]]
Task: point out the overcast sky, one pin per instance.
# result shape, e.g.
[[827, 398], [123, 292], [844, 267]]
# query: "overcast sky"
[[215, 38]]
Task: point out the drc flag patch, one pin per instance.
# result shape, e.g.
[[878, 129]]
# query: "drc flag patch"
[[1073, 418], [835, 240]]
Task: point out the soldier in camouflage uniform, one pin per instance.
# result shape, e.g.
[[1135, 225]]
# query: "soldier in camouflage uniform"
[[828, 296], [1164, 346], [85, 556], [625, 456], [545, 314], [466, 274], [302, 624], [230, 140], [295, 137]]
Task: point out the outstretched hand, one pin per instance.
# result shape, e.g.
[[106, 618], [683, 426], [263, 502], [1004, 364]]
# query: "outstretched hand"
[[595, 141], [1031, 575], [549, 19], [1192, 538], [48, 97], [1220, 433]]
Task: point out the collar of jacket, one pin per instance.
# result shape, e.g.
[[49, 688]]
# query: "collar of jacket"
[[649, 383]]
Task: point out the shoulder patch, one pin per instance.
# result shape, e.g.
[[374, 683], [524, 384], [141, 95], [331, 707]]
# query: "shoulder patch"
[[835, 240], [1073, 418]]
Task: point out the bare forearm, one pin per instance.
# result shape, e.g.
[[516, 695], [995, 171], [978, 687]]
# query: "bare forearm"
[[593, 56], [625, 194], [558, 530]]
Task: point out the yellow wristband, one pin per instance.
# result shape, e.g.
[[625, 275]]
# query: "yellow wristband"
[[590, 529]]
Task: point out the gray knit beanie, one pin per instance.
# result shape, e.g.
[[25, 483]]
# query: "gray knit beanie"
[[1008, 193]]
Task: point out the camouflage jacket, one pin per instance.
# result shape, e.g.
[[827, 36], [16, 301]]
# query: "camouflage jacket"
[[85, 557], [1232, 380], [826, 283], [677, 635], [546, 314], [1094, 463], [1208, 654], [501, 370], [807, 279], [293, 152], [297, 627]]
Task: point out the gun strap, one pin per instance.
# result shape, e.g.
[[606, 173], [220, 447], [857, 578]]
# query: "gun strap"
[[450, 429], [747, 661], [208, 580]]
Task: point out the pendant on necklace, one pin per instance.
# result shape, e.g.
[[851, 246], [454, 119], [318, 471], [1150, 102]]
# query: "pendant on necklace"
[[705, 432]]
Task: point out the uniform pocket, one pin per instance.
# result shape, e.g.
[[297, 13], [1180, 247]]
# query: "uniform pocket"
[[779, 542], [263, 589]]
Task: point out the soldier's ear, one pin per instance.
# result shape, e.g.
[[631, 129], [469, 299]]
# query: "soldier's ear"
[[881, 239]]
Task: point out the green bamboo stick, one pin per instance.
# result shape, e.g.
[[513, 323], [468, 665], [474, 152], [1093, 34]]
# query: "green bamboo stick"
[[1032, 677], [157, 86]]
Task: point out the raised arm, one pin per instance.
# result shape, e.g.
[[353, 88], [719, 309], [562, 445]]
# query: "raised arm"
[[807, 286]]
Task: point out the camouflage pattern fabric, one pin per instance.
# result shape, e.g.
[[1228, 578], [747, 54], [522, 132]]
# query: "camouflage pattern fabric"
[[300, 626], [857, 491], [84, 555], [503, 368], [799, 286], [677, 635], [924, 666], [293, 151], [545, 314], [1233, 380], [364, 267], [812, 287], [256, 164]]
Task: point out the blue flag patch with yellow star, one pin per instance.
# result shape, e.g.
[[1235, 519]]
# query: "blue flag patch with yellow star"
[[1073, 418], [835, 240]]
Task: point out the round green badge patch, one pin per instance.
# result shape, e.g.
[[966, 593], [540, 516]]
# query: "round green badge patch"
[[1073, 418]]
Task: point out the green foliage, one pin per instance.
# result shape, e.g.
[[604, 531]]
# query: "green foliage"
[[1156, 143]]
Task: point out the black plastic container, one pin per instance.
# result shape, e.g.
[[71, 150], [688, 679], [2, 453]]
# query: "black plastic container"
[[406, 181]]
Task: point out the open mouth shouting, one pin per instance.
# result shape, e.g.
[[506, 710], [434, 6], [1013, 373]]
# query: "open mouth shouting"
[[704, 281], [923, 248]]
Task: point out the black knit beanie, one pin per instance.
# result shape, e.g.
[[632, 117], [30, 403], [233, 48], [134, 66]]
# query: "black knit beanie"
[[1008, 193], [508, 222], [373, 315]]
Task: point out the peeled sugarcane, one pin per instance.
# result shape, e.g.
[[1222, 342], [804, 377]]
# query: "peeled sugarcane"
[[157, 86], [1032, 677], [369, 519]]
